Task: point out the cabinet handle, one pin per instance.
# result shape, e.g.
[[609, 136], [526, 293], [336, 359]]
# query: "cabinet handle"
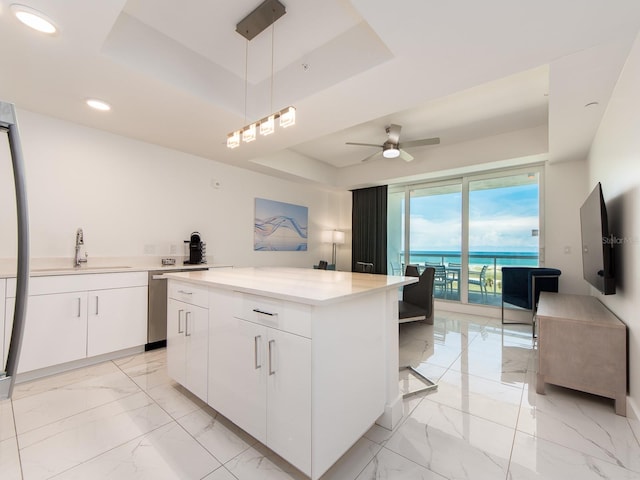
[[186, 324], [256, 339], [180, 321], [262, 312], [271, 362], [184, 292], [97, 304], [79, 307]]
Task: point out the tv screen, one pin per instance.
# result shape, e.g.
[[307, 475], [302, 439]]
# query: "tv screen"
[[597, 245]]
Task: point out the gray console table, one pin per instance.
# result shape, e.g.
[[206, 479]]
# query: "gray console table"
[[583, 346]]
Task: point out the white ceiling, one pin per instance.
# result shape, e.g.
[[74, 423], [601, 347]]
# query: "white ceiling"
[[486, 77]]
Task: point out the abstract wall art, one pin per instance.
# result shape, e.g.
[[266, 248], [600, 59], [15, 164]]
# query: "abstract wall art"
[[280, 226]]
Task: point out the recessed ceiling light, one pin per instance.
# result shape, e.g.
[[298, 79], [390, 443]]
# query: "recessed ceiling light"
[[98, 104], [33, 18]]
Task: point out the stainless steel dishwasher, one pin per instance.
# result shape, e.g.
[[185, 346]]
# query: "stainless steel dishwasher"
[[157, 308]]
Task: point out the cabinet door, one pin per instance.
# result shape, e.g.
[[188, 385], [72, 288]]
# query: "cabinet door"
[[289, 397], [117, 319], [176, 341], [55, 330], [237, 372], [196, 332]]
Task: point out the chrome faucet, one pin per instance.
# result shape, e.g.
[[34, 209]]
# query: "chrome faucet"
[[79, 243]]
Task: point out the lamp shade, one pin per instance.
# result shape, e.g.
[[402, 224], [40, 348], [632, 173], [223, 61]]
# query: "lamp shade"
[[333, 236], [337, 237]]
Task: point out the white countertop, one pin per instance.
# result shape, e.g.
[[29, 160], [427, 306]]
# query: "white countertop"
[[40, 267], [302, 285]]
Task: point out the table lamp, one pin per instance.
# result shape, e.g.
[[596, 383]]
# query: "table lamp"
[[335, 237]]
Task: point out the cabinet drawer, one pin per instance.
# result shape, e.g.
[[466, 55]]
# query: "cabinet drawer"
[[189, 293], [286, 316]]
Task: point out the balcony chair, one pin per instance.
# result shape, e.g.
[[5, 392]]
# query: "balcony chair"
[[521, 286], [480, 279], [396, 269], [432, 264], [417, 298], [440, 278], [453, 276]]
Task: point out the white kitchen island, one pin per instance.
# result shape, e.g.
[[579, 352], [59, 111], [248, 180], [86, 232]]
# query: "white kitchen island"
[[304, 360]]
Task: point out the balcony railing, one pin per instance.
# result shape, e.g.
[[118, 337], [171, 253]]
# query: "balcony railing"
[[491, 291]]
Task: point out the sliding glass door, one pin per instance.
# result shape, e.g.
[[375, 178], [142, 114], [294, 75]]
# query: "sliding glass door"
[[467, 229], [435, 233], [504, 226], [428, 233]]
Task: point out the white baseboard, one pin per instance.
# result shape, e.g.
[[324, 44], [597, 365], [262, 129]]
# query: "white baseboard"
[[65, 367]]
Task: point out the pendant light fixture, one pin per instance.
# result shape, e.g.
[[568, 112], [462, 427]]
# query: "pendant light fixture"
[[253, 24]]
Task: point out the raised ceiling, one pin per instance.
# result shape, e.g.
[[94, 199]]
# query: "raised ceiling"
[[520, 73]]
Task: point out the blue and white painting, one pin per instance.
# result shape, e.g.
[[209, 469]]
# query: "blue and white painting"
[[280, 226]]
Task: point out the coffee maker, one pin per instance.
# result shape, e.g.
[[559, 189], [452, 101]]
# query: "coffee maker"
[[197, 250]]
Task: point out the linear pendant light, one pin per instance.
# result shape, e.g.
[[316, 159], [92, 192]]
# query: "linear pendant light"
[[253, 24]]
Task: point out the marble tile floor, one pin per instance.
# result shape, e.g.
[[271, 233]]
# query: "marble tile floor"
[[126, 419]]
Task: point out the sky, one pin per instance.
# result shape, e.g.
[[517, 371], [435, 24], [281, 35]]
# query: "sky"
[[500, 219]]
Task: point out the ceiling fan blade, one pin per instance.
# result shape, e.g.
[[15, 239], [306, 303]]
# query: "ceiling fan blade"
[[393, 131], [405, 156], [371, 157], [420, 143], [363, 144]]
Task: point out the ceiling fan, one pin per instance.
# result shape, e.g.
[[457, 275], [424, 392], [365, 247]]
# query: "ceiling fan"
[[392, 148]]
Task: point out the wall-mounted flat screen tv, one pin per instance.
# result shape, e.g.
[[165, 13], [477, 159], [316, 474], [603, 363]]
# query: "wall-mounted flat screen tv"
[[597, 244]]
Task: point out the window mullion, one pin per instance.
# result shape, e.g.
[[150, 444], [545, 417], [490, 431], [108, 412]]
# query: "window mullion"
[[464, 260], [407, 226]]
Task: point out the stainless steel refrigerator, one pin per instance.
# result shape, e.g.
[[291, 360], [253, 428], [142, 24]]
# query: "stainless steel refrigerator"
[[9, 125]]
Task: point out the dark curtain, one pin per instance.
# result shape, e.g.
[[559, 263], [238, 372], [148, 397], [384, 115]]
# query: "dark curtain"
[[369, 228]]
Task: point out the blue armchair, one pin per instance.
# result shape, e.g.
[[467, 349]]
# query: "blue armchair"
[[521, 286]]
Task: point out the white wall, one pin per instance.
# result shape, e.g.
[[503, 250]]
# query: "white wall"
[[565, 189], [133, 198], [614, 161]]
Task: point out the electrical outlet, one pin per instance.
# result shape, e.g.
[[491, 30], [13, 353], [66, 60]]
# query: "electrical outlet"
[[173, 249]]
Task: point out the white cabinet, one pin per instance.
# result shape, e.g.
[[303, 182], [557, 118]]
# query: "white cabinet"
[[62, 325], [188, 338], [260, 375], [289, 397], [55, 330], [113, 319], [237, 382]]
